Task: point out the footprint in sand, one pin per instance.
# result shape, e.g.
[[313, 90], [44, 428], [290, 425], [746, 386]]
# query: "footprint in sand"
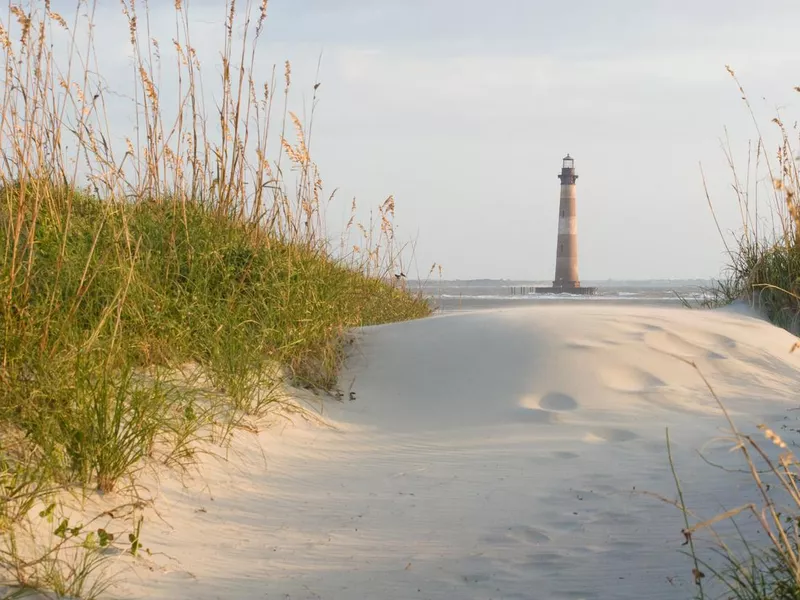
[[544, 410], [610, 434], [671, 343], [635, 331], [713, 345], [558, 402], [591, 344], [715, 339], [630, 379], [565, 455], [528, 535], [677, 345], [549, 402]]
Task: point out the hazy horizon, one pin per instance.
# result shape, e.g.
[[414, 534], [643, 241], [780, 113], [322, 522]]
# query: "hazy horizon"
[[464, 112], [610, 280]]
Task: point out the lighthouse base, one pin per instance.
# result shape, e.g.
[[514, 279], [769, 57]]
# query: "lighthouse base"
[[578, 291]]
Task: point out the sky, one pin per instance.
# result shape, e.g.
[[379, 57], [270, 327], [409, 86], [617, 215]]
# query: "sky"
[[463, 111]]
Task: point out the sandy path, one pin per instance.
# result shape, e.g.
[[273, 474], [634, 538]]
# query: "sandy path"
[[495, 454]]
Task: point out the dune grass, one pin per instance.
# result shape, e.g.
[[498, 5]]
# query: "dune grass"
[[764, 259], [127, 257], [764, 269]]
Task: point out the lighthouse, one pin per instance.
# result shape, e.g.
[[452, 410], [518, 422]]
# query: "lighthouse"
[[566, 278]]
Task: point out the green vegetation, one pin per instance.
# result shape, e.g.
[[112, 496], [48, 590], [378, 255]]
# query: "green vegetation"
[[124, 269], [764, 263]]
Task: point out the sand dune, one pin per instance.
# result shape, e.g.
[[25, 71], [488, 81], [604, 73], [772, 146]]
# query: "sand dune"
[[494, 454]]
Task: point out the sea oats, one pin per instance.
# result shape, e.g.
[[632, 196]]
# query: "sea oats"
[[58, 19], [773, 437], [5, 42]]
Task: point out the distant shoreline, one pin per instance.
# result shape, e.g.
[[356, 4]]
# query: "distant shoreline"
[[488, 294]]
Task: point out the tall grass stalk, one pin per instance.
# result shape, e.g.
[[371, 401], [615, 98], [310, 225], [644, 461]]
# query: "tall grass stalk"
[[765, 569]]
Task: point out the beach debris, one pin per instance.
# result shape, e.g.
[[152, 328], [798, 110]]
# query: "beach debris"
[[687, 537], [698, 575]]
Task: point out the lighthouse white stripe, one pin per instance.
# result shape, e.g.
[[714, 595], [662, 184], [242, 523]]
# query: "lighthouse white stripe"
[[567, 225]]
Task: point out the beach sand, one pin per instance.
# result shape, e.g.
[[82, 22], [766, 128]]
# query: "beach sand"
[[506, 453]]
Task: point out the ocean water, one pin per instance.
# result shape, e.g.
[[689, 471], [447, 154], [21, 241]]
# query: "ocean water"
[[459, 295]]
